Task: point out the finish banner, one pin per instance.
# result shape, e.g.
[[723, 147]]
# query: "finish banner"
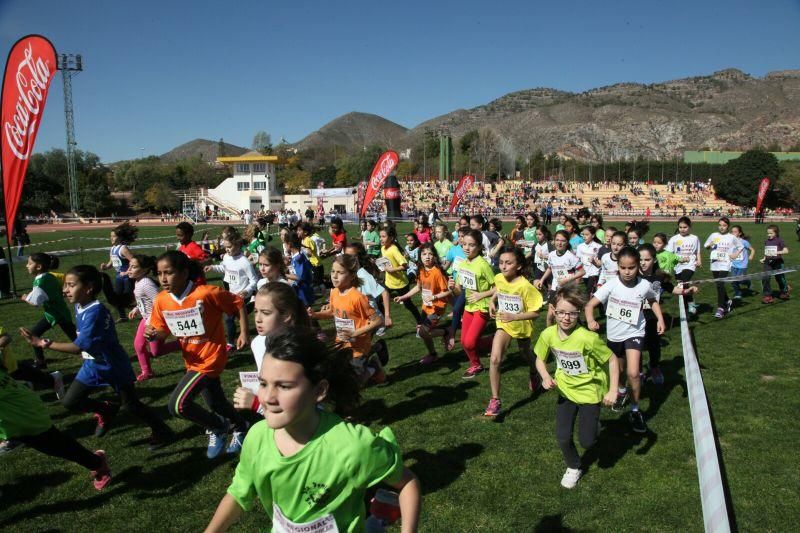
[[30, 68], [386, 163], [762, 193], [463, 186]]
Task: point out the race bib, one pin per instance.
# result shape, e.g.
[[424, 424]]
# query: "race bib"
[[141, 304], [771, 251], [560, 273], [587, 260], [510, 303], [185, 322], [624, 311], [571, 363], [281, 524], [427, 297], [249, 380], [344, 325], [116, 261], [382, 263], [231, 277], [456, 262], [87, 356], [722, 257], [525, 244], [468, 280]]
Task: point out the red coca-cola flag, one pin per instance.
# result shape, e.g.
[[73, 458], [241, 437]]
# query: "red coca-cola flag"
[[386, 163], [762, 193], [462, 188], [30, 68]]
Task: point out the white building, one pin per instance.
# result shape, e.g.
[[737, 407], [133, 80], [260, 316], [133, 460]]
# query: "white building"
[[252, 185]]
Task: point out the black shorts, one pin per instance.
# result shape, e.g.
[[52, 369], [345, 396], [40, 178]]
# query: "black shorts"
[[619, 347]]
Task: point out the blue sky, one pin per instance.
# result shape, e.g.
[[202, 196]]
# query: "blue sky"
[[158, 74]]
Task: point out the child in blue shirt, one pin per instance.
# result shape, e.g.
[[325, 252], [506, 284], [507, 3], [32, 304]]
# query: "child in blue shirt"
[[739, 265], [302, 273]]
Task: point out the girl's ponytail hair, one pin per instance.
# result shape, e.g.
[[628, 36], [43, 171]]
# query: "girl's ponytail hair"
[[319, 362], [100, 282], [46, 261]]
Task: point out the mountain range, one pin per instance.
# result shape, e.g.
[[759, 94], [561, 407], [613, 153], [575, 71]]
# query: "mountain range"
[[727, 110]]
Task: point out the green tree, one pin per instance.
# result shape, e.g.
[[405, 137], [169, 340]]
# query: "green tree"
[[160, 197], [262, 142], [737, 181], [221, 148]]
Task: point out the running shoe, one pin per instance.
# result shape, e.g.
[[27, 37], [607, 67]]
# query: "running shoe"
[[728, 306], [159, 439], [10, 445], [637, 422], [378, 377], [657, 375], [767, 299], [692, 308], [102, 476], [381, 332], [571, 477], [382, 351], [216, 441], [622, 401], [429, 359], [720, 313], [534, 381], [472, 371], [144, 376], [493, 409], [237, 439], [784, 296], [231, 348], [58, 384], [103, 421]]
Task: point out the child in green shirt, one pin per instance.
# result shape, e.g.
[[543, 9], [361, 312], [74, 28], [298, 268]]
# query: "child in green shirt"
[[309, 468], [666, 259]]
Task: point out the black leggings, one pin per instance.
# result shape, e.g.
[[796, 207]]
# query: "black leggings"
[[652, 342], [591, 284], [27, 372], [684, 276], [43, 326], [408, 304], [566, 412], [77, 400], [181, 402], [54, 443], [722, 294]]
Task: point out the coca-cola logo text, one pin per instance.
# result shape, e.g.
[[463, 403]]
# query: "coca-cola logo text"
[[32, 78], [386, 165], [461, 191], [391, 194]]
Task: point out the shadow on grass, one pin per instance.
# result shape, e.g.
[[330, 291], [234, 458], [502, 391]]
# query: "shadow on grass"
[[553, 523], [28, 488], [422, 399], [615, 440], [436, 471]]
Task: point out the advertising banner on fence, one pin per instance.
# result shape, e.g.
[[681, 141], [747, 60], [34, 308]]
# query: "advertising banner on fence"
[[762, 193], [30, 68], [462, 188], [386, 163]]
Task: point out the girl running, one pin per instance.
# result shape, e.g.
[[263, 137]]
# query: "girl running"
[[608, 261], [24, 419], [531, 225], [724, 248], [377, 295], [301, 272], [394, 264], [623, 298], [541, 250], [432, 283], [587, 253], [515, 305], [518, 233], [145, 291], [587, 375], [650, 271], [240, 276], [476, 280], [301, 446], [119, 257], [193, 314], [597, 222], [739, 265], [354, 319], [666, 260], [276, 306], [372, 239], [563, 267], [271, 266], [572, 229], [441, 242], [411, 253], [47, 293], [456, 256], [105, 363], [774, 250], [687, 247]]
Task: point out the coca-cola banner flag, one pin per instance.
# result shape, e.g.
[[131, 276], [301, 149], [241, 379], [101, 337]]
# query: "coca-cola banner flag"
[[463, 186], [762, 193], [386, 163], [30, 68]]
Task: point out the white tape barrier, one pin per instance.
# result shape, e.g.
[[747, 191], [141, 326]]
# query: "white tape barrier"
[[712, 491], [62, 253], [746, 277]]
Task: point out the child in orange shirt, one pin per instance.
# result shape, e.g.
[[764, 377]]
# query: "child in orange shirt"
[[432, 283], [354, 318], [193, 314]]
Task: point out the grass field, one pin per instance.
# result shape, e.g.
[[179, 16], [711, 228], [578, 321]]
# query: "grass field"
[[476, 473]]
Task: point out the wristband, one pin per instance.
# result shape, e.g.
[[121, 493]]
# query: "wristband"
[[256, 404], [47, 343]]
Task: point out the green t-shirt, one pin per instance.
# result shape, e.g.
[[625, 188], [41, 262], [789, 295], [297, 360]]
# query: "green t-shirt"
[[55, 308], [22, 413], [529, 234], [256, 246], [476, 276], [581, 363], [601, 235], [324, 481], [667, 261], [442, 248], [369, 237]]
